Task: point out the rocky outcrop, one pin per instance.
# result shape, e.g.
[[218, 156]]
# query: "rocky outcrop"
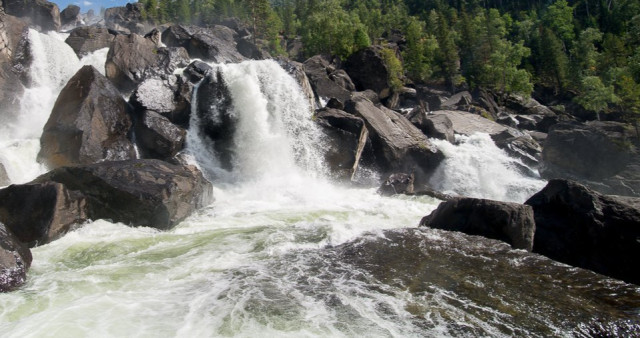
[[215, 44], [169, 97], [89, 122], [196, 71], [583, 228], [128, 19], [137, 192], [465, 123], [38, 13], [42, 212], [69, 15], [435, 126], [15, 260], [297, 70], [157, 137], [509, 222], [87, 39], [132, 59], [598, 154], [521, 146], [344, 132], [398, 145], [327, 81], [216, 119], [399, 183], [368, 70], [15, 60]]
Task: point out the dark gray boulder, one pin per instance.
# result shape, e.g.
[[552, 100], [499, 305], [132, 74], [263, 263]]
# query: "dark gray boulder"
[[327, 81], [217, 122], [15, 260], [89, 122], [87, 39], [39, 213], [580, 227], [368, 70], [136, 192], [217, 43], [249, 50], [343, 134], [509, 222], [435, 126], [157, 137], [196, 71], [521, 146], [128, 19], [395, 184], [132, 59], [601, 155], [69, 15], [398, 145], [38, 13], [170, 97]]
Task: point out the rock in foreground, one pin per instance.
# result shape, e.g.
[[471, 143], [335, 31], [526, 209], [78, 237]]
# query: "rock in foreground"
[[509, 222], [583, 228], [137, 192], [15, 260]]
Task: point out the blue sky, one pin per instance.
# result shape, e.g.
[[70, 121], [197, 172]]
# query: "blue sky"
[[86, 5]]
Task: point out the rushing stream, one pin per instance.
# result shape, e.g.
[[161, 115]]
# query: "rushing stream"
[[285, 252]]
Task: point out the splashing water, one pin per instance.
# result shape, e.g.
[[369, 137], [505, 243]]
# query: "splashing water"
[[478, 168]]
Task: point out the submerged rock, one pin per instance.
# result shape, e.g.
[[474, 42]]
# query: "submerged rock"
[[15, 260], [580, 227], [149, 193], [400, 183], [39, 213], [509, 222], [89, 122]]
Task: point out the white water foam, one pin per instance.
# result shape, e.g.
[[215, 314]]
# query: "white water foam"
[[476, 167], [54, 63]]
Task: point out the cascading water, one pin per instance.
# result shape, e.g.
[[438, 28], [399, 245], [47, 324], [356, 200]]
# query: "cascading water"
[[54, 63], [280, 254]]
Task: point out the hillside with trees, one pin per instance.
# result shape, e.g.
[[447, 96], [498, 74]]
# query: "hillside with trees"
[[585, 51]]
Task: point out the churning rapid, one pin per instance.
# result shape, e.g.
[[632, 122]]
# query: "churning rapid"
[[283, 251]]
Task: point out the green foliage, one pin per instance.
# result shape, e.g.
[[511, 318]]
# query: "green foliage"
[[559, 18], [394, 66], [419, 51], [595, 96]]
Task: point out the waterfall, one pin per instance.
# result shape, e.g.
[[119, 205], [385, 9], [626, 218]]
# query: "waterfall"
[[54, 63], [275, 136], [476, 167]]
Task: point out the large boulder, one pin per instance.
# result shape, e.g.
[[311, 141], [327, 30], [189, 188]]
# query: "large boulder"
[[157, 137], [38, 13], [599, 154], [583, 228], [42, 212], [215, 44], [434, 126], [127, 19], [509, 222], [149, 193], [87, 39], [132, 59], [15, 260], [89, 122], [196, 71], [15, 61], [344, 134], [368, 70], [69, 15], [169, 97], [327, 81], [297, 70], [398, 145]]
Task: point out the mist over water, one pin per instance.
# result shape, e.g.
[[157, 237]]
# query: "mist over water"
[[283, 251]]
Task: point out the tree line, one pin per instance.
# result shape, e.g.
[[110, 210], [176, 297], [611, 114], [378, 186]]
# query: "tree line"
[[588, 50]]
